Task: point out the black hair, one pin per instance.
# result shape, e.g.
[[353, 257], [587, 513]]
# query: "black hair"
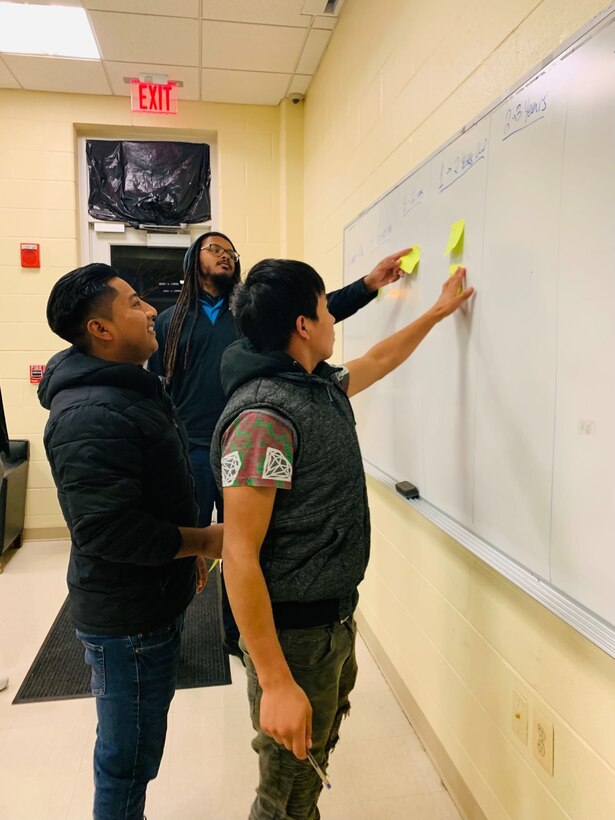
[[275, 293], [76, 297], [189, 297]]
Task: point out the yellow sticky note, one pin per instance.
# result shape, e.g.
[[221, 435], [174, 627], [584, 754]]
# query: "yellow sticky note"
[[457, 229], [409, 262], [452, 270]]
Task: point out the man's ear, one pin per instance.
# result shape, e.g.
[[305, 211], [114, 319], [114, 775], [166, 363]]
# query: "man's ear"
[[301, 328], [98, 329]]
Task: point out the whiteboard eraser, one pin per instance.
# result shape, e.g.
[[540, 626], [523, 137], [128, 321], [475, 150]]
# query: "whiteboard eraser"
[[407, 490]]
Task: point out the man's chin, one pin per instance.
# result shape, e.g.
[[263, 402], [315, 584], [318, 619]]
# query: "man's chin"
[[225, 282]]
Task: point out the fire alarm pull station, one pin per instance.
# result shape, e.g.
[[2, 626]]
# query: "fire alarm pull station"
[[30, 255], [36, 373]]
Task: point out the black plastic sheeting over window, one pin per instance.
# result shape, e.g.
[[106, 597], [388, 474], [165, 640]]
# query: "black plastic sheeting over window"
[[152, 183]]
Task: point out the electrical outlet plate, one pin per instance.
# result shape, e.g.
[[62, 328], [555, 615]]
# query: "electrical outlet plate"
[[542, 741], [519, 716]]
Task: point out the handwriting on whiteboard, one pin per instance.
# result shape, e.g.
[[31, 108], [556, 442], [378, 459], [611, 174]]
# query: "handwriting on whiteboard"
[[526, 112], [412, 200], [452, 171], [356, 254], [383, 234]]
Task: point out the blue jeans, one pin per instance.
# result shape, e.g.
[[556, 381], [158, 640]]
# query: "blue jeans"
[[133, 680], [207, 492], [207, 496]]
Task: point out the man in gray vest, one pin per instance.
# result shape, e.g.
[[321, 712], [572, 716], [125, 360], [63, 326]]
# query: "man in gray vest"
[[297, 531]]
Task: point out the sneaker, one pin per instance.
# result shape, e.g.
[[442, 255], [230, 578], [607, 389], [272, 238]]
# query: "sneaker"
[[4, 682]]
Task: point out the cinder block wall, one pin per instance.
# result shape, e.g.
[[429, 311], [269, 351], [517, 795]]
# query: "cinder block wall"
[[399, 78], [260, 194]]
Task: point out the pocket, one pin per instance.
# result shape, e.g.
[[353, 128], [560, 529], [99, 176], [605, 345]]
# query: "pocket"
[[95, 659], [156, 639], [308, 649]]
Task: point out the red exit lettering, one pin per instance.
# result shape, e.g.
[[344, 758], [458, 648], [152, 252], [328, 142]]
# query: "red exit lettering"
[[153, 98]]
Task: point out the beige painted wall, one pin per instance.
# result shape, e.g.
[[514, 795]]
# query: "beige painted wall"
[[260, 188], [399, 78]]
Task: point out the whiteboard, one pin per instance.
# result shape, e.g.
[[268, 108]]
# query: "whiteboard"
[[504, 416]]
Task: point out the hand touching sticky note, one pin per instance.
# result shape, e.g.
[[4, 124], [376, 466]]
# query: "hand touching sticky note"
[[457, 229], [409, 262], [452, 270]]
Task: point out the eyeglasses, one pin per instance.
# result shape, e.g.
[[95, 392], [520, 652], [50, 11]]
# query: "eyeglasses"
[[218, 250]]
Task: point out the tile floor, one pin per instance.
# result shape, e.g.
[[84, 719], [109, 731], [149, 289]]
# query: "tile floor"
[[378, 772]]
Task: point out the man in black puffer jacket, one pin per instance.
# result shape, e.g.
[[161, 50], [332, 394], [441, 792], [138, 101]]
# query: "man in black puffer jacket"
[[119, 460]]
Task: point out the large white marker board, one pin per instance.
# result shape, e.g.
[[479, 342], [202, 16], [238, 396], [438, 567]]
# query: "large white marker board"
[[504, 417]]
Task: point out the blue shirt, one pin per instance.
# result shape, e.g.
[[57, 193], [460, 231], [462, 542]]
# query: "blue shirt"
[[210, 305]]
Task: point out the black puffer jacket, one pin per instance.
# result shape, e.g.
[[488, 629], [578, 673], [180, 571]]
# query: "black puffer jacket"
[[119, 461]]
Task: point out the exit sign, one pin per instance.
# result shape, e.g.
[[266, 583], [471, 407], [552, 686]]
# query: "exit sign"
[[153, 98]]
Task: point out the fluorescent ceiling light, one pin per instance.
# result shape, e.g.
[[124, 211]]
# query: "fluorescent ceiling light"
[[61, 31]]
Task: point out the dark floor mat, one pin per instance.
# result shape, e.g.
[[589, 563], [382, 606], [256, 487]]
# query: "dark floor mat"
[[59, 671]]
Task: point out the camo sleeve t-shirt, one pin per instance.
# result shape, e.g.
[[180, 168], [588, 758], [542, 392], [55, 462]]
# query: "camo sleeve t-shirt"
[[257, 451], [258, 447]]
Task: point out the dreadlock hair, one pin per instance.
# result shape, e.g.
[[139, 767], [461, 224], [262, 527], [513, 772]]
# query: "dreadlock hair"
[[189, 299]]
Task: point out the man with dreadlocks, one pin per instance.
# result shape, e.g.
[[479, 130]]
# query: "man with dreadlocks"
[[193, 335]]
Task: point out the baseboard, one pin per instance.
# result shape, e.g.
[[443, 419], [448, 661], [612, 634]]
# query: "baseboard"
[[46, 534], [457, 788]]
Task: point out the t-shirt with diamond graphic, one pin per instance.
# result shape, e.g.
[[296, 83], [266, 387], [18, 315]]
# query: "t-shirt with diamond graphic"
[[257, 451]]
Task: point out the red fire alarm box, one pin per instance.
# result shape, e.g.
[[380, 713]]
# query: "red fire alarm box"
[[36, 373], [30, 255]]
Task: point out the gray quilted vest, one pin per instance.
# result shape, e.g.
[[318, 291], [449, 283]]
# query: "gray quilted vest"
[[317, 544]]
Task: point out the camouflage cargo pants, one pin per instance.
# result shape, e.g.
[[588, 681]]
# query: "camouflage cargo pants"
[[322, 661]]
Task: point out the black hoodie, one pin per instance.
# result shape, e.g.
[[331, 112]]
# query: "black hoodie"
[[119, 461]]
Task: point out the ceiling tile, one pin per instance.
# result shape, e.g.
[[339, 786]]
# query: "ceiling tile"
[[250, 87], [269, 12], [243, 46], [299, 84], [314, 49], [317, 8], [58, 74], [188, 76], [6, 78], [51, 2], [255, 52], [135, 38], [314, 6], [326, 21], [180, 8]]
